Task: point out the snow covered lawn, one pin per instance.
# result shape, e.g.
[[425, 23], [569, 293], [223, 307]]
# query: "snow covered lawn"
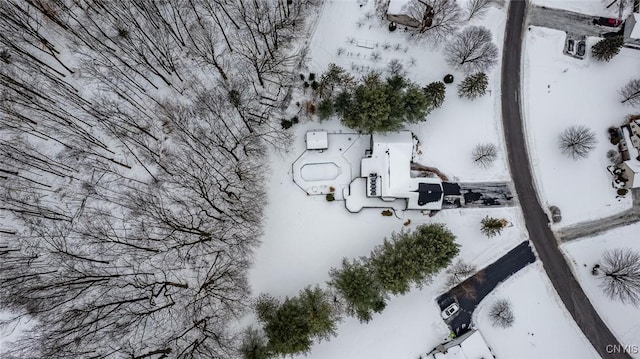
[[558, 92], [622, 319], [356, 39], [542, 327], [306, 235]]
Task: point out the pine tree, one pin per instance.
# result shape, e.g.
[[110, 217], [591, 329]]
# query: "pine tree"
[[358, 287], [492, 226], [606, 49], [325, 109], [293, 324], [254, 345], [473, 86], [435, 92], [376, 105], [413, 257]]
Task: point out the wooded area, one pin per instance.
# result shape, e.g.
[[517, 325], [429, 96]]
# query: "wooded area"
[[133, 136]]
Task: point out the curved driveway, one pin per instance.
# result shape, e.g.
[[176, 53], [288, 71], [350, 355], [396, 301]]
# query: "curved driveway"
[[536, 220]]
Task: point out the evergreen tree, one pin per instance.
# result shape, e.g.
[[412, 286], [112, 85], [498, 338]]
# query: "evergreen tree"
[[473, 86], [342, 102], [413, 257], [325, 109], [358, 287], [254, 345], [293, 324], [492, 226], [435, 92], [606, 49], [376, 105], [334, 78]]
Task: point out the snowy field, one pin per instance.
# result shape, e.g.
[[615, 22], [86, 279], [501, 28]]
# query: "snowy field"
[[559, 92], [451, 132], [588, 7], [542, 327], [622, 319], [306, 235]]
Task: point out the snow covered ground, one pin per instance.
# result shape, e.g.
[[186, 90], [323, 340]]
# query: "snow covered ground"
[[622, 319], [560, 91], [451, 132], [588, 7], [12, 331], [306, 235], [542, 327]]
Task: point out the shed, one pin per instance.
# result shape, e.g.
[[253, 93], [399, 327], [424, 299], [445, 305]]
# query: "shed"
[[317, 140], [632, 30]]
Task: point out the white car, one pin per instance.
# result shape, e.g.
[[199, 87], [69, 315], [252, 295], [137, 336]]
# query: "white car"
[[450, 310]]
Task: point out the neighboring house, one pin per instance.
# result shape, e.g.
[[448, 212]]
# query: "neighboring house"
[[632, 30], [631, 166], [386, 174], [470, 345], [398, 12]]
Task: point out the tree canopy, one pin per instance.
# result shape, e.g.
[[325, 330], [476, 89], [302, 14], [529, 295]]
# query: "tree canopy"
[[377, 105], [413, 257]]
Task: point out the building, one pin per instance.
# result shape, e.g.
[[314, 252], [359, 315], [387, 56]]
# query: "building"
[[317, 140], [632, 30], [630, 167], [398, 12], [386, 174], [470, 345]]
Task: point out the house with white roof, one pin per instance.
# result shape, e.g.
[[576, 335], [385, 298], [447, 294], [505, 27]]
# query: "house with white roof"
[[398, 12], [385, 176], [632, 30], [470, 345], [631, 167]]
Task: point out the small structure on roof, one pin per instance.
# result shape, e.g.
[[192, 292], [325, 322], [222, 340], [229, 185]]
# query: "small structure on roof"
[[317, 140], [385, 174], [632, 30], [470, 345]]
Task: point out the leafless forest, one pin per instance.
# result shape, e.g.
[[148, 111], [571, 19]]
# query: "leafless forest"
[[133, 139]]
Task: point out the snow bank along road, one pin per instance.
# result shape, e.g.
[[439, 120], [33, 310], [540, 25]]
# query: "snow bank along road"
[[536, 220]]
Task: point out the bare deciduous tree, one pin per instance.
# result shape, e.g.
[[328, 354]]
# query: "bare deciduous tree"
[[477, 8], [472, 50], [621, 279], [577, 141], [485, 154], [631, 93], [458, 272], [438, 18], [501, 314]]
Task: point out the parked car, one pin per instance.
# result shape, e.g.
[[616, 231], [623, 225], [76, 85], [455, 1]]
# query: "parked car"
[[582, 48], [571, 46], [607, 21], [450, 310]]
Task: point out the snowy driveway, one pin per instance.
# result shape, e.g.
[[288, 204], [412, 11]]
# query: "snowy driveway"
[[568, 21], [470, 293]]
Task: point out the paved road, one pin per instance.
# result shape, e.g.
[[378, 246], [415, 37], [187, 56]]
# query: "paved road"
[[470, 292], [536, 220]]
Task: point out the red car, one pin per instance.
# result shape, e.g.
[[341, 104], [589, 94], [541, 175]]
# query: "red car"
[[607, 21]]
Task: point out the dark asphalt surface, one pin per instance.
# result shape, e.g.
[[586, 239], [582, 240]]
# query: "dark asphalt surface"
[[536, 220], [470, 292]]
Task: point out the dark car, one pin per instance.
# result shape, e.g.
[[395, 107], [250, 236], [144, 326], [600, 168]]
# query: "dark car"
[[607, 21], [582, 48]]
